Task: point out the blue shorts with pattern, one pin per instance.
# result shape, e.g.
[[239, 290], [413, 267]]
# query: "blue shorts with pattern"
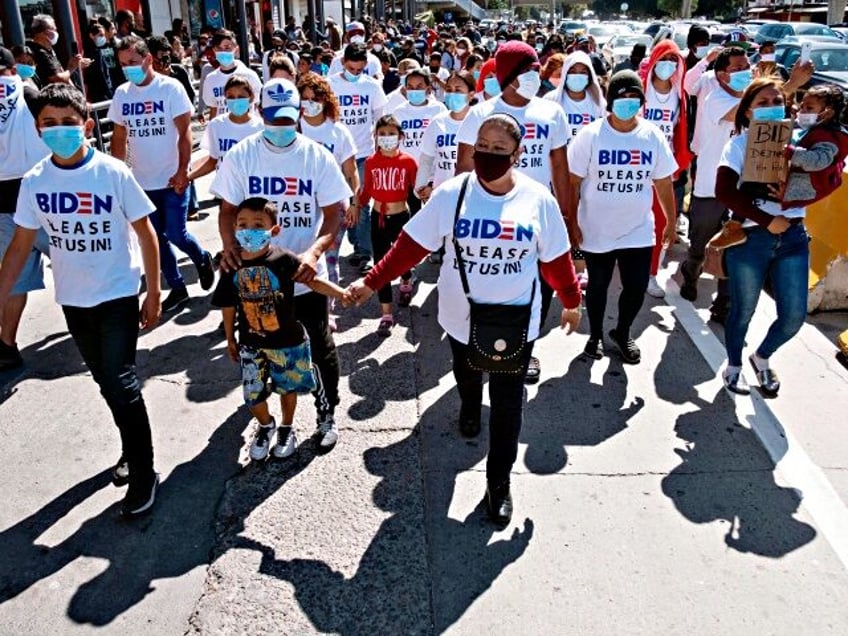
[[287, 370]]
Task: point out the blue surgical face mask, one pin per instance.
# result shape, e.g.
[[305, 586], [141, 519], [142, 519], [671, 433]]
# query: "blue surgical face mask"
[[740, 79], [135, 74], [701, 51], [63, 141], [25, 71], [769, 113], [576, 82], [280, 136], [253, 240], [350, 77], [225, 58], [416, 97], [238, 106], [455, 102], [626, 107], [491, 86], [664, 69], [100, 41], [475, 75]]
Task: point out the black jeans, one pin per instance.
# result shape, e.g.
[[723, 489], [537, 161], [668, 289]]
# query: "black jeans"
[[384, 232], [634, 269], [506, 396], [311, 310], [106, 336]]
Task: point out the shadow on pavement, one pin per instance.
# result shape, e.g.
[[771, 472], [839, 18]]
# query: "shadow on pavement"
[[726, 474], [176, 538]]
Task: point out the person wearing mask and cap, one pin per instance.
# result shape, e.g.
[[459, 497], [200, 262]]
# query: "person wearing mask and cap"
[[226, 53], [355, 34], [665, 106], [616, 164], [632, 63], [48, 68], [487, 81], [25, 68], [278, 46], [697, 45], [264, 165], [397, 97], [543, 156], [20, 149], [103, 75], [584, 44]]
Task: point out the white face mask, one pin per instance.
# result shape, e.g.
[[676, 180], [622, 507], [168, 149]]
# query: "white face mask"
[[529, 84], [54, 37], [767, 57], [377, 48], [807, 120], [311, 108], [388, 142], [357, 39]]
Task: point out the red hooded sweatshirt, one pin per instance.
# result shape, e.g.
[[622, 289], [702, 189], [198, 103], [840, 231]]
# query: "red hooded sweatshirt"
[[679, 140]]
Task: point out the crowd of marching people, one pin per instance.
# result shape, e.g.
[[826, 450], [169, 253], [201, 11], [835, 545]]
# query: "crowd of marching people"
[[515, 160]]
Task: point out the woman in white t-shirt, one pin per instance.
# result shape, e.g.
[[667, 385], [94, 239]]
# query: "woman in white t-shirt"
[[508, 224], [229, 128], [777, 249], [319, 121], [615, 164]]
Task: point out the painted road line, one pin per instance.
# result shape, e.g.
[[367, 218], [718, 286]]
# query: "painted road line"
[[794, 466]]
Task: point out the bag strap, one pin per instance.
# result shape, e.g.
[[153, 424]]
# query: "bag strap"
[[456, 247], [462, 275]]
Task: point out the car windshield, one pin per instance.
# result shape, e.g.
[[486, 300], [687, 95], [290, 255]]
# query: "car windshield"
[[603, 30], [630, 40], [814, 29]]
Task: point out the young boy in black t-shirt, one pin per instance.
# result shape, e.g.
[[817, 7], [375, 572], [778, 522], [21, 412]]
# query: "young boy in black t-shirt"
[[272, 347]]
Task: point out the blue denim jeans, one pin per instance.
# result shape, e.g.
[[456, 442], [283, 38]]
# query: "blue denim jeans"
[[785, 260], [360, 235], [169, 221]]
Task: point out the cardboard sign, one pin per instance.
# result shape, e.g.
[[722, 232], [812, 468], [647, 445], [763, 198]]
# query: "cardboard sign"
[[764, 160]]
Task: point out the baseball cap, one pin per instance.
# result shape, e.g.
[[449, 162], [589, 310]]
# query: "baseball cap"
[[280, 99], [354, 26], [7, 60]]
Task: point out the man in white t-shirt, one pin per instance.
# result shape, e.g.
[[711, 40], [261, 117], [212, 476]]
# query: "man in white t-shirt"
[[616, 164], [543, 124], [355, 34], [304, 181], [361, 103], [416, 112], [152, 118], [226, 53]]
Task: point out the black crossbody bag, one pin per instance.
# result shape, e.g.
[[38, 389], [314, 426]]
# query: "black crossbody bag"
[[498, 333]]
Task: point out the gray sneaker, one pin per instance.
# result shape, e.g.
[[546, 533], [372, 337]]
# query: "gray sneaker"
[[328, 431]]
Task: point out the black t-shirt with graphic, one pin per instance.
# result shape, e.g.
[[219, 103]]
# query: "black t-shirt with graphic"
[[262, 291]]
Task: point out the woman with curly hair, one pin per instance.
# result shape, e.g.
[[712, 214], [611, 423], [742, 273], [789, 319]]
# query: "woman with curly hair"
[[319, 121]]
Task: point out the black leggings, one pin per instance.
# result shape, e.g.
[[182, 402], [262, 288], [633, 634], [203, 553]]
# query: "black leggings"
[[506, 395], [381, 242], [634, 269]]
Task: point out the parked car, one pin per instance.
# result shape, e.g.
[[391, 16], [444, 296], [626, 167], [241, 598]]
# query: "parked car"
[[603, 32], [618, 48], [571, 27], [829, 58], [780, 30]]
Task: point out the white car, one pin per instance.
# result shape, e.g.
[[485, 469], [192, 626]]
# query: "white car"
[[603, 32], [618, 48]]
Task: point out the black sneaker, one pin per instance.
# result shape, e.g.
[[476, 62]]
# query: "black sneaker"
[[10, 357], [718, 317], [140, 496], [356, 259], [469, 423], [206, 272], [499, 504], [121, 473], [594, 348], [689, 290], [627, 348], [176, 298]]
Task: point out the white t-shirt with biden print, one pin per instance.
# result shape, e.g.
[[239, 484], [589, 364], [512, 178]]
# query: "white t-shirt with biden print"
[[502, 239], [300, 179], [86, 211], [618, 171]]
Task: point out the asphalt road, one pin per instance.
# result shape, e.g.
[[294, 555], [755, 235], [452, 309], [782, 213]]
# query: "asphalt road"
[[647, 500]]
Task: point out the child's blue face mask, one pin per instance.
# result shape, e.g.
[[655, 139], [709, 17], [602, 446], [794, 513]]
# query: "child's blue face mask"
[[253, 240]]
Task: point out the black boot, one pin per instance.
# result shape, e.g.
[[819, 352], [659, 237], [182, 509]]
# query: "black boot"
[[138, 451]]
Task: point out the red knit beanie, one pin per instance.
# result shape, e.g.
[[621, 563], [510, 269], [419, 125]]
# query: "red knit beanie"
[[512, 59]]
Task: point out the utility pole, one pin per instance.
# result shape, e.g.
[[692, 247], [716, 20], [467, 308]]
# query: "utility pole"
[[835, 11]]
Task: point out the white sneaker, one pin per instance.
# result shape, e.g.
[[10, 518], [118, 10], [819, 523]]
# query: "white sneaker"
[[329, 431], [263, 440], [287, 447], [654, 288]]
